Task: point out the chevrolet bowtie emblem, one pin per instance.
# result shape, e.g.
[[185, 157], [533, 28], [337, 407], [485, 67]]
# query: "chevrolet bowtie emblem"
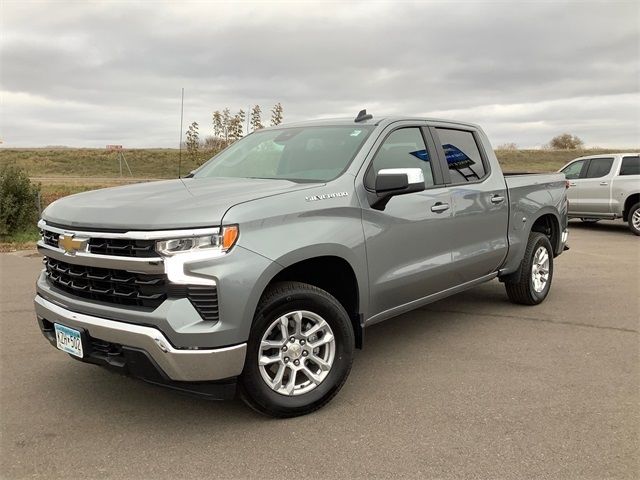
[[71, 244]]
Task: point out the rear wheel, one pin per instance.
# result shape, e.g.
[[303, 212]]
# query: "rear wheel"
[[634, 219], [299, 353], [530, 284]]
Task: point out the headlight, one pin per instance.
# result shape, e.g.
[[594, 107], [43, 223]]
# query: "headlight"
[[222, 241]]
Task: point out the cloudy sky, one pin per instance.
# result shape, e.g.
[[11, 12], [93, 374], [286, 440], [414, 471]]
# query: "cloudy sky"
[[90, 73]]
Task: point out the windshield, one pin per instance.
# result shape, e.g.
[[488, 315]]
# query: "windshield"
[[311, 154]]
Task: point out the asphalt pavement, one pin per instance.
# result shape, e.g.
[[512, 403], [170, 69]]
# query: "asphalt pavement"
[[468, 387]]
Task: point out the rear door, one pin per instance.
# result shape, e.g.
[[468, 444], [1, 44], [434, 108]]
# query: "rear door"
[[594, 186], [480, 202], [408, 243]]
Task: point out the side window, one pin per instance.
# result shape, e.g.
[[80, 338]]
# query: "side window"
[[572, 171], [598, 167], [462, 155], [630, 166], [403, 148]]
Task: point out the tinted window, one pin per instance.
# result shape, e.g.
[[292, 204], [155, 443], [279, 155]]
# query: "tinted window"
[[403, 148], [573, 170], [462, 155], [300, 154], [598, 167], [630, 166]]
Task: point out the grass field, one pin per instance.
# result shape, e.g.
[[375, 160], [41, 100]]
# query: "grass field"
[[62, 171], [163, 163]]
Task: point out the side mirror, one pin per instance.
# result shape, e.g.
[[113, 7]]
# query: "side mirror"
[[396, 181]]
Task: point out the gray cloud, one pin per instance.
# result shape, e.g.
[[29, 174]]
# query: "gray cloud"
[[86, 74]]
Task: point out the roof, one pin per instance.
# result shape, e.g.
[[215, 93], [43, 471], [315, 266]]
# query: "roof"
[[607, 154], [383, 121]]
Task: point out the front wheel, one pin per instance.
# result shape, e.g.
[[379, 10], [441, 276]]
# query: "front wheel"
[[299, 352], [634, 219], [531, 283]]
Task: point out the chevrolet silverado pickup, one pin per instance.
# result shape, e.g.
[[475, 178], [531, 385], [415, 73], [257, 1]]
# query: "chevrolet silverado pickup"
[[258, 274], [605, 187]]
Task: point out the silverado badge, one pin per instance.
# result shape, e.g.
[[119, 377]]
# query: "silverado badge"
[[326, 196]]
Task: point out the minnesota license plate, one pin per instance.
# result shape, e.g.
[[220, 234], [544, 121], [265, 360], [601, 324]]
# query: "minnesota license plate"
[[68, 340]]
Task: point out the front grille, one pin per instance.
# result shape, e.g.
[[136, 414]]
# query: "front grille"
[[122, 247], [107, 285], [50, 238], [104, 348]]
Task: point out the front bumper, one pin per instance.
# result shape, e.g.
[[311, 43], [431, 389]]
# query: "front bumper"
[[173, 365], [564, 239]]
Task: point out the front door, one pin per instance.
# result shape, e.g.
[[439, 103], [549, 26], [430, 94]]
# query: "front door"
[[408, 243], [572, 173]]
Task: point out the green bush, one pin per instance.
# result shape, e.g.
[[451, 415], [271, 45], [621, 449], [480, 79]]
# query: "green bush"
[[18, 201]]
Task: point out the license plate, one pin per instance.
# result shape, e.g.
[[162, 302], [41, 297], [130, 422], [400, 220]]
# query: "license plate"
[[68, 340]]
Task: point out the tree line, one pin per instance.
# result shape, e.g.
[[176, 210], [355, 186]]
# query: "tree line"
[[564, 141], [228, 128]]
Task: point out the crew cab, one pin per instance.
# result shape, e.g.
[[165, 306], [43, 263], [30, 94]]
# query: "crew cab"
[[260, 272], [605, 187]]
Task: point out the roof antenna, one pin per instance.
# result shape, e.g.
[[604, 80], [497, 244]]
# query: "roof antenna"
[[363, 115]]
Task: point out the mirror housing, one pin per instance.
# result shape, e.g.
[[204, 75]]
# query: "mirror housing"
[[396, 181]]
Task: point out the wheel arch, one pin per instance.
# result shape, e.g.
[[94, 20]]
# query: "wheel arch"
[[629, 202], [332, 273], [548, 223]]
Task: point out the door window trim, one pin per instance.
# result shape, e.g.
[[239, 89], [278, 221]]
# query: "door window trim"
[[443, 160], [436, 167]]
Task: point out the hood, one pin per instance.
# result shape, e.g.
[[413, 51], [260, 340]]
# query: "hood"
[[171, 204]]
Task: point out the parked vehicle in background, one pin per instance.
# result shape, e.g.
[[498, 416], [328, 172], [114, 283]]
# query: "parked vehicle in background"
[[605, 187], [263, 268]]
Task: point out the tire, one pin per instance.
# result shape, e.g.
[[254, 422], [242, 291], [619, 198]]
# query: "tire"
[[590, 220], [307, 306], [634, 213], [521, 286]]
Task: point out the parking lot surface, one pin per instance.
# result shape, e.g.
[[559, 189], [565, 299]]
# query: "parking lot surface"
[[468, 387]]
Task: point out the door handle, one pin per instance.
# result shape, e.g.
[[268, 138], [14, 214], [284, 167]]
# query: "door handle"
[[497, 199], [440, 207], [572, 184], [604, 183]]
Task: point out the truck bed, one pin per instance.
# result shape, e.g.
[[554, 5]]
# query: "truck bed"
[[531, 194]]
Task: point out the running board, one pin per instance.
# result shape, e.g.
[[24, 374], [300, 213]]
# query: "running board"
[[407, 307]]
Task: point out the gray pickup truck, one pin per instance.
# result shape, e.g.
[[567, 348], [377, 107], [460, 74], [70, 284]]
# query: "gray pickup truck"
[[259, 272], [605, 186]]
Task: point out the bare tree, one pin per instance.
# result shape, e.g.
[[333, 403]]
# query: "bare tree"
[[276, 115], [566, 141], [193, 140], [218, 127], [235, 126], [256, 120], [507, 146], [226, 120]]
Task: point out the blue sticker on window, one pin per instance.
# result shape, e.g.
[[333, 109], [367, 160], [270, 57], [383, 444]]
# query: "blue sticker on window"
[[421, 155], [456, 158]]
